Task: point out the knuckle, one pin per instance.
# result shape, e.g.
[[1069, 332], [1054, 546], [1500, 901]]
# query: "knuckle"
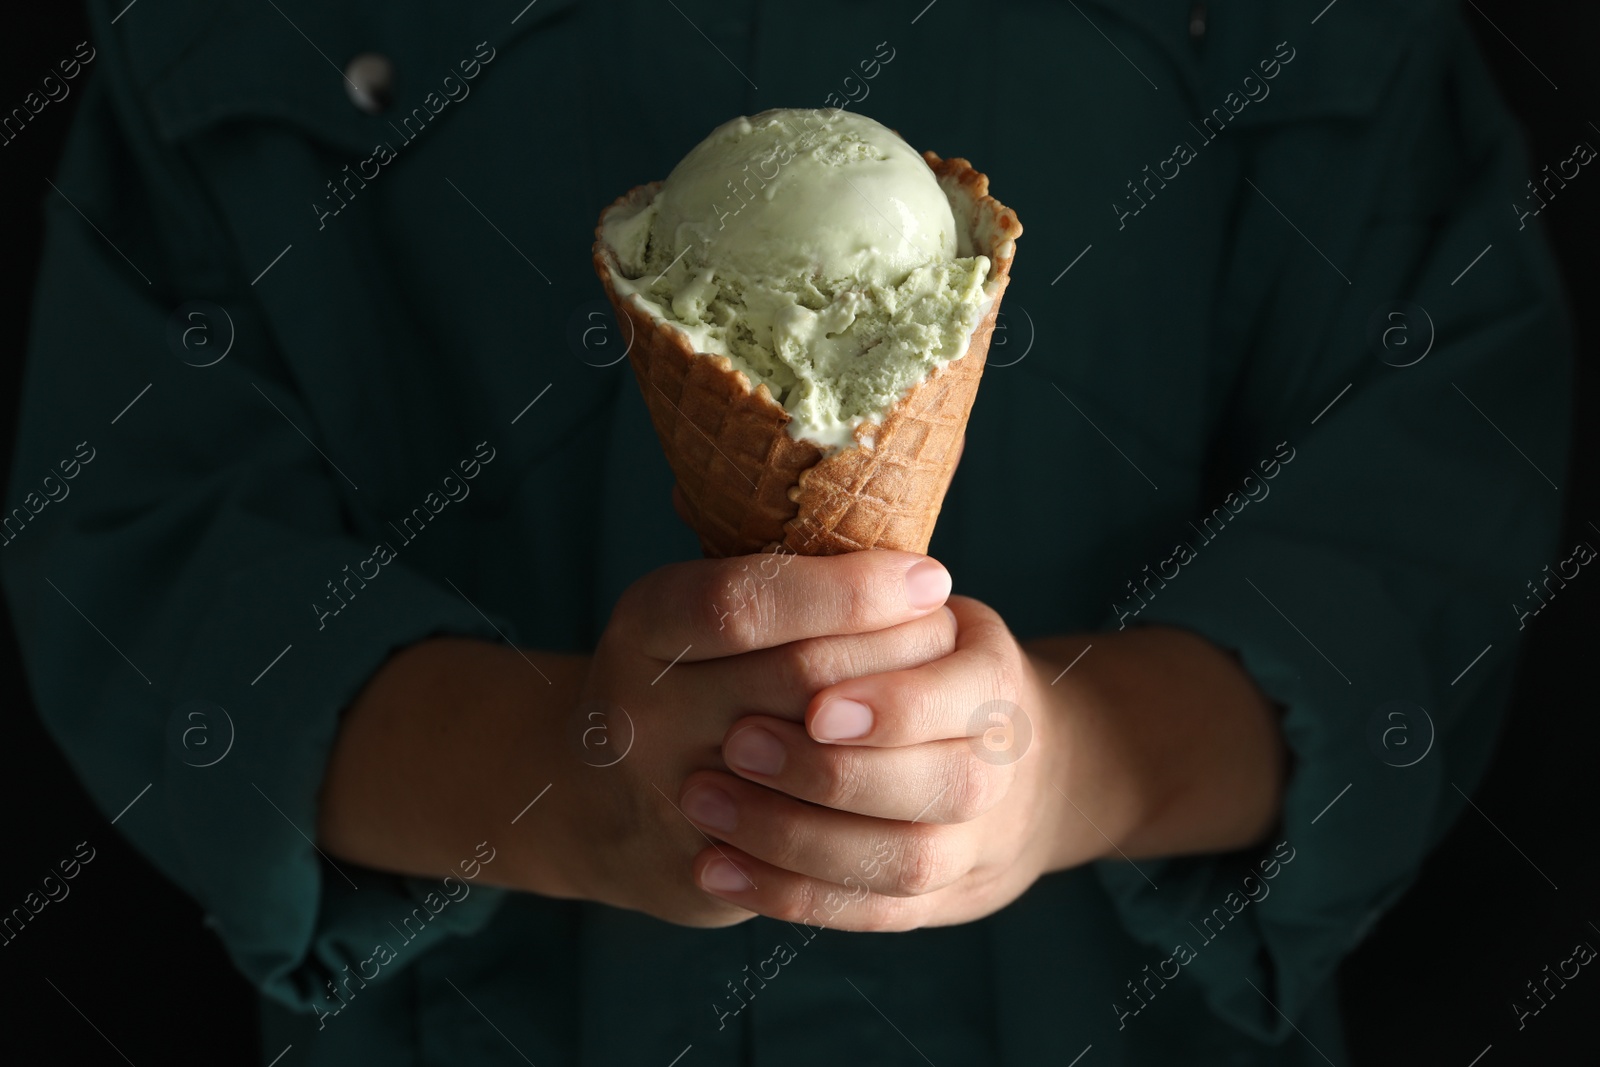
[[924, 641], [725, 617], [919, 707], [708, 601], [972, 788], [872, 589], [726, 602], [925, 863], [759, 610], [784, 844], [1008, 673], [945, 637], [1001, 671], [793, 665], [840, 779], [846, 658], [860, 604], [807, 665], [739, 630], [818, 903], [797, 905]]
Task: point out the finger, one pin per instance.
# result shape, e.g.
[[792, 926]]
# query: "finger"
[[936, 782], [893, 858], [797, 899], [781, 681], [955, 697], [722, 607]]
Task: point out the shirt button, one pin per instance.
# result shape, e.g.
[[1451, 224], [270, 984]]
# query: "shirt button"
[[369, 81]]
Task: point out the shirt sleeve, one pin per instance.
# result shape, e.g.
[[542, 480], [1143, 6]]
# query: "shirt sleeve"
[[1401, 415], [171, 525]]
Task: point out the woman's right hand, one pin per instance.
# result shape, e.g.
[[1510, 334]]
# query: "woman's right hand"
[[690, 649], [571, 767]]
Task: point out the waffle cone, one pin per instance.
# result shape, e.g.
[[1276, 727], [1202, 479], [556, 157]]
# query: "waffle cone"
[[745, 484]]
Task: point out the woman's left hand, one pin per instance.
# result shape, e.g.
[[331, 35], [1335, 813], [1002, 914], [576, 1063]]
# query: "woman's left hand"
[[922, 797]]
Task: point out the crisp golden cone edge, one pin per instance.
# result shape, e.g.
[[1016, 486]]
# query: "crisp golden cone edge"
[[746, 485]]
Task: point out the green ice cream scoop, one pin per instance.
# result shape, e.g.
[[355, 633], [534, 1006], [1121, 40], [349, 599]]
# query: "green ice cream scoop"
[[815, 249]]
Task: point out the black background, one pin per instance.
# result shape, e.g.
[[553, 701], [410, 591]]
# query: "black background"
[[1433, 983]]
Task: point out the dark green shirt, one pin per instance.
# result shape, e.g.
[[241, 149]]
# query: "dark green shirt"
[[1283, 362]]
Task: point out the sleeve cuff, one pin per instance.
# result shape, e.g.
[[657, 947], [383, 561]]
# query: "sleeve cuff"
[[1326, 641], [294, 920]]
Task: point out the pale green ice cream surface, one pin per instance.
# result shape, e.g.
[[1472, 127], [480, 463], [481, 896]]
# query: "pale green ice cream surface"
[[816, 250]]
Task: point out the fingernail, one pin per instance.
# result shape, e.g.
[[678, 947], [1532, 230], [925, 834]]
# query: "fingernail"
[[720, 876], [841, 720], [710, 806], [927, 584], [754, 750]]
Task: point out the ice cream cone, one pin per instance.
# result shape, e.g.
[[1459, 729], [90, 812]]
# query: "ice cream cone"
[[746, 484]]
